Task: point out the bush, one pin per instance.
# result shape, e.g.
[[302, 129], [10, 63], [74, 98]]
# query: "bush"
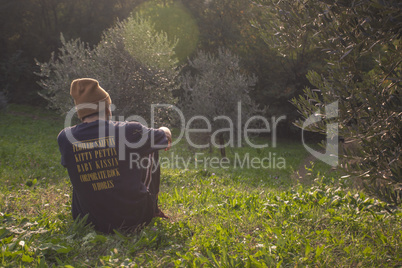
[[363, 76], [213, 87], [134, 78]]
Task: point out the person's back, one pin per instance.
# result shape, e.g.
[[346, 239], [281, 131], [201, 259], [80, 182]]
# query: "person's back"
[[111, 166]]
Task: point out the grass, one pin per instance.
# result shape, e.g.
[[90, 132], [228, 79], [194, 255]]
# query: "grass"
[[219, 217]]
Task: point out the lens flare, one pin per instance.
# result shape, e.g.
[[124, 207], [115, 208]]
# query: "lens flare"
[[174, 19]]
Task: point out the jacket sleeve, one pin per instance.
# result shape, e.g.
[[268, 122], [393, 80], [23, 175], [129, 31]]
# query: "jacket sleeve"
[[157, 139], [149, 140]]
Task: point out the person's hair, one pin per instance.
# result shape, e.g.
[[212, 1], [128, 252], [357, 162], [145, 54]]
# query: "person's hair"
[[88, 116]]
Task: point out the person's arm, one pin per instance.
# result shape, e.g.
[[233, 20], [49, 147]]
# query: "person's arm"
[[168, 136], [148, 140]]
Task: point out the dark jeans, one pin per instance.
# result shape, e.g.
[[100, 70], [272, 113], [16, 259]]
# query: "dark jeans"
[[152, 178]]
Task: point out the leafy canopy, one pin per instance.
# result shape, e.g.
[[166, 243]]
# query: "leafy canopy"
[[134, 63], [363, 73]]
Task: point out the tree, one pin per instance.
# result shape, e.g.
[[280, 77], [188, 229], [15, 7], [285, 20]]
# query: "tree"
[[31, 30], [363, 74], [213, 90], [134, 79], [234, 24], [286, 28]]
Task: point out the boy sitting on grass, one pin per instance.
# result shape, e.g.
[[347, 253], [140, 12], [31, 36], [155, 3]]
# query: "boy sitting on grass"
[[113, 166]]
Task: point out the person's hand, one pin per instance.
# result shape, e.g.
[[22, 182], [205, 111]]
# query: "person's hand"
[[168, 136]]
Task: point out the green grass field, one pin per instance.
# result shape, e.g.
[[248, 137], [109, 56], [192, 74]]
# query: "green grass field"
[[234, 217]]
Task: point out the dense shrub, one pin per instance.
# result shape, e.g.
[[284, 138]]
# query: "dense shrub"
[[134, 78], [363, 76], [214, 87]]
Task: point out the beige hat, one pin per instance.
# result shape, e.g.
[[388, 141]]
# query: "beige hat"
[[87, 91]]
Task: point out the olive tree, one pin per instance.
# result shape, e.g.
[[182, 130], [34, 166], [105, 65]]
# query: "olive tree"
[[215, 88], [362, 40], [134, 78]]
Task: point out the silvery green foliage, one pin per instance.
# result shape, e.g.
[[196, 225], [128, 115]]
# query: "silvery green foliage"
[[214, 87], [133, 81], [364, 76], [151, 48]]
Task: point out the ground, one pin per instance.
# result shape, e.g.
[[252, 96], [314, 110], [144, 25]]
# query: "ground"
[[218, 218]]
